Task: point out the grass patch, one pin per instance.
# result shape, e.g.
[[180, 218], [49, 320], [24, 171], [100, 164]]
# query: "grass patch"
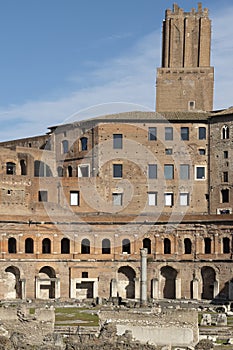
[[72, 316]]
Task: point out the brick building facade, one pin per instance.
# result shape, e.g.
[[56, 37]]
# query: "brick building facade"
[[78, 203]]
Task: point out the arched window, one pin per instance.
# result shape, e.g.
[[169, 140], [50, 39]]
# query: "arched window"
[[46, 246], [167, 246], [12, 245], [147, 244], [10, 168], [207, 242], [225, 132], [85, 246], [83, 143], [60, 171], [70, 171], [106, 246], [226, 245], [23, 167], [29, 246], [126, 246], [65, 246], [65, 146], [187, 246]]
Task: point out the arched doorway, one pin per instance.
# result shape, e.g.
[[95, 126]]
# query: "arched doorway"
[[13, 285], [208, 275], [126, 282], [168, 275], [46, 283]]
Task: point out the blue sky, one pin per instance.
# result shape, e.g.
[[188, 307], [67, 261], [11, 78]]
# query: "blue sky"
[[68, 60]]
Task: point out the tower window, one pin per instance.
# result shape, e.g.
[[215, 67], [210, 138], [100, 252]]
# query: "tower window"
[[225, 132], [117, 141], [202, 133], [184, 133], [168, 133], [191, 105], [225, 195]]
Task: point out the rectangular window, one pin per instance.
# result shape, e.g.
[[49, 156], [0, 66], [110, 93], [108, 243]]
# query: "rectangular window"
[[152, 134], [184, 199], [184, 171], [184, 133], [43, 196], [168, 151], [117, 199], [117, 141], [202, 133], [84, 170], [225, 195], [152, 171], [74, 198], [168, 133], [152, 198], [225, 154], [201, 151], [169, 171], [200, 173], [168, 199], [117, 170], [225, 176]]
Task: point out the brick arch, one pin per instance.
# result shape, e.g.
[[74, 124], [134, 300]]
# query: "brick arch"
[[168, 275]]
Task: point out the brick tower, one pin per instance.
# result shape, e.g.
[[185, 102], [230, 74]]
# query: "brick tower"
[[186, 80]]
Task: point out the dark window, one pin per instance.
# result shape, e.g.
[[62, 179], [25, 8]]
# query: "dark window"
[[60, 171], [201, 151], [117, 170], [83, 143], [169, 171], [187, 246], [41, 169], [225, 154], [202, 133], [84, 274], [29, 246], [225, 176], [152, 134], [200, 172], [65, 246], [184, 171], [43, 196], [184, 133], [225, 132], [152, 171], [147, 244], [207, 242], [65, 146], [168, 133], [226, 245], [117, 141], [126, 246], [167, 246], [225, 195], [23, 167], [106, 246], [70, 171], [168, 151], [12, 245], [10, 168], [85, 246], [46, 246]]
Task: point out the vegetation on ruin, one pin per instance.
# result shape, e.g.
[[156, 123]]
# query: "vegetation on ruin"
[[74, 317]]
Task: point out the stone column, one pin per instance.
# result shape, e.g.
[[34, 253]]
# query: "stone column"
[[178, 288], [137, 288], [216, 288], [37, 288], [23, 288], [113, 288], [155, 288], [195, 288], [143, 290], [57, 288]]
